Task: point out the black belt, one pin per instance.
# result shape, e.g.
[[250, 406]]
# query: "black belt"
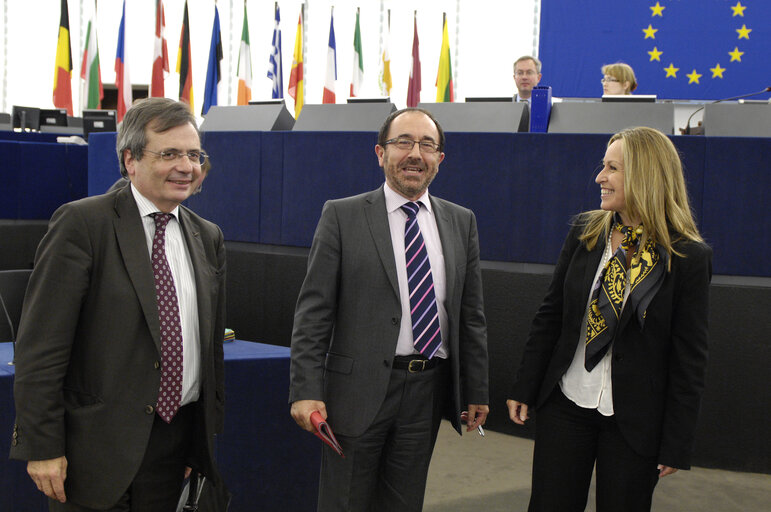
[[415, 364]]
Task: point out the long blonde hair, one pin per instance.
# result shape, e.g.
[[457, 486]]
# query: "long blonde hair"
[[655, 192]]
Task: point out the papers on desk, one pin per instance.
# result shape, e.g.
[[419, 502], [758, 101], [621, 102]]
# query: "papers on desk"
[[324, 432]]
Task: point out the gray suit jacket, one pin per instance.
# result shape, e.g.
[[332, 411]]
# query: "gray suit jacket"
[[88, 351], [348, 313]]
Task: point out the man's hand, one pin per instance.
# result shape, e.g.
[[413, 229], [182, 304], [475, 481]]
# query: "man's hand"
[[49, 476], [517, 411], [302, 409], [477, 415]]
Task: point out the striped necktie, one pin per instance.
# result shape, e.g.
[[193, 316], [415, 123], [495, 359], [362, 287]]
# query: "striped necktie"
[[426, 334]]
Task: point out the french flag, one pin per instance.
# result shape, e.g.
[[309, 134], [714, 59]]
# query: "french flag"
[[329, 81], [122, 81]]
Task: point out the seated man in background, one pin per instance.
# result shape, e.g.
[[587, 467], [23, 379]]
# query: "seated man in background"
[[527, 74]]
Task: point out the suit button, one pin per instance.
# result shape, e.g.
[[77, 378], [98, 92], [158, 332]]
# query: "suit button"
[[157, 365], [618, 357], [395, 321], [149, 409]]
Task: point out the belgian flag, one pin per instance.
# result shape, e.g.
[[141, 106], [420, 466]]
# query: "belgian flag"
[[63, 69]]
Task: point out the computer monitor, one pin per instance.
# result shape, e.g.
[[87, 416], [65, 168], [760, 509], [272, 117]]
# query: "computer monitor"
[[379, 99], [629, 98], [26, 118], [53, 117], [99, 121], [503, 99]]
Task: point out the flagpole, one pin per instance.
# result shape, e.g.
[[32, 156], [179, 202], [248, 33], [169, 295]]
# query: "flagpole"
[[5, 56], [230, 55], [456, 67]]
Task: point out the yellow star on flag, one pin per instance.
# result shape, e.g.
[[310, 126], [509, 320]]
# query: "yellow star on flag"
[[671, 71], [693, 77], [657, 10], [744, 32], [650, 32], [717, 71], [738, 9], [655, 54], [736, 55]]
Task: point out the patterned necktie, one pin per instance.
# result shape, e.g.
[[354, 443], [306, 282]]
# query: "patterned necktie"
[[426, 334], [170, 393], [608, 298]]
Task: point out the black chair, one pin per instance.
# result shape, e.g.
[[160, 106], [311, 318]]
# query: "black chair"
[[13, 285]]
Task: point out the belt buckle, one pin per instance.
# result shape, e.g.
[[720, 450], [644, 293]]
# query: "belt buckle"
[[419, 366]]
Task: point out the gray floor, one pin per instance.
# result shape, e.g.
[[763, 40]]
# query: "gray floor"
[[492, 474]]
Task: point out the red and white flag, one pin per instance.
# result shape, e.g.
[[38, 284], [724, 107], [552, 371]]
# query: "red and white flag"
[[160, 53]]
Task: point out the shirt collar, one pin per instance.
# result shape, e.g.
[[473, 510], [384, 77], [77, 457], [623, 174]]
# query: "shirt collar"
[[146, 207], [394, 200]]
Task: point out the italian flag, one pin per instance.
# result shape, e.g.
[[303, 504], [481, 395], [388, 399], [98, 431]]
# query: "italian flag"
[[358, 60]]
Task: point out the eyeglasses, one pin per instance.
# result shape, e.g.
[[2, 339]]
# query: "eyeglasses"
[[609, 79], [195, 157], [426, 146], [521, 72]]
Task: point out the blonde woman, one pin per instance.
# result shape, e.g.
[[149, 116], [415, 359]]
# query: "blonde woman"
[[614, 364], [618, 79]]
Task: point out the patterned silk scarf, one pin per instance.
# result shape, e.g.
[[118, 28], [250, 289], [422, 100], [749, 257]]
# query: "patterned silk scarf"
[[646, 276]]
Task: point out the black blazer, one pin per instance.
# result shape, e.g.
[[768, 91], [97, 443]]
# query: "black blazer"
[[657, 371], [87, 356]]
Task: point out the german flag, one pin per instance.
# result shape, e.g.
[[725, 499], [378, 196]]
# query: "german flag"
[[63, 69], [185, 63]]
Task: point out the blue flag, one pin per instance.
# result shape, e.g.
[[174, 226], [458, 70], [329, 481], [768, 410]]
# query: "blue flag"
[[686, 49], [213, 74], [275, 67]]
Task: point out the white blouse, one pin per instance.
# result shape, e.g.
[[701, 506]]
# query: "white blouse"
[[592, 390]]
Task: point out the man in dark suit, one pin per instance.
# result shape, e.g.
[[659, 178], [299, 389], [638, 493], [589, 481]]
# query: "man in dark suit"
[[119, 380], [382, 345]]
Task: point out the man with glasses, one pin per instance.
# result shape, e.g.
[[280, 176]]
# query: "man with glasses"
[[389, 331], [119, 380], [527, 74]]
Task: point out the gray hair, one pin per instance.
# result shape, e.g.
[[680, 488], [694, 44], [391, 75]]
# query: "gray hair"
[[157, 114], [528, 57]]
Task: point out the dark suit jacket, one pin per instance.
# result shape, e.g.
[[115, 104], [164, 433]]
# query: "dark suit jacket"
[[348, 314], [87, 374], [657, 371]]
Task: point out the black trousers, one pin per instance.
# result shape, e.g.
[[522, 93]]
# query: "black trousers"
[[569, 441], [158, 483], [386, 468]]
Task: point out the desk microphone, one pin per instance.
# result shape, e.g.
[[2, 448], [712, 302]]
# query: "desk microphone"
[[10, 326], [687, 129]]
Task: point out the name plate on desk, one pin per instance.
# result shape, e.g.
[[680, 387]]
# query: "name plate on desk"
[[610, 117], [493, 116], [737, 120]]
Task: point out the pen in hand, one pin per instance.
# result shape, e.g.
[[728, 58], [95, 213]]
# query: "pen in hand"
[[464, 417]]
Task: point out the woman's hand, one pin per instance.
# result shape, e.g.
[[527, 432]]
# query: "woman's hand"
[[517, 411]]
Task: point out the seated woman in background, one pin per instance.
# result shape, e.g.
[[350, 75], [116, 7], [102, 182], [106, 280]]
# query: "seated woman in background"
[[614, 364], [618, 78]]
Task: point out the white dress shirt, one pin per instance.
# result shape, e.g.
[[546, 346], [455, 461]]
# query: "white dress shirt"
[[427, 222], [181, 267]]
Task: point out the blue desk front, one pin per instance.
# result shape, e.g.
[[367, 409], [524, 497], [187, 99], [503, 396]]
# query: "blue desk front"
[[266, 460]]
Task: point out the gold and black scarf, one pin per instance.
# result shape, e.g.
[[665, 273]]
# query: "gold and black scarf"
[[646, 275]]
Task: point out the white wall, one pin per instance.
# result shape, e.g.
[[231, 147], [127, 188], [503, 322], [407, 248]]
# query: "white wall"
[[485, 38]]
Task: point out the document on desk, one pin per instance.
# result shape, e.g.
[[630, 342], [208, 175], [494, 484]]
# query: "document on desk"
[[324, 432]]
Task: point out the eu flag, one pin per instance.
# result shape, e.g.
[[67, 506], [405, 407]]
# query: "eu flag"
[[683, 49]]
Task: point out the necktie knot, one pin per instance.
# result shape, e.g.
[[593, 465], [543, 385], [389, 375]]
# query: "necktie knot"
[[161, 220], [411, 209]]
